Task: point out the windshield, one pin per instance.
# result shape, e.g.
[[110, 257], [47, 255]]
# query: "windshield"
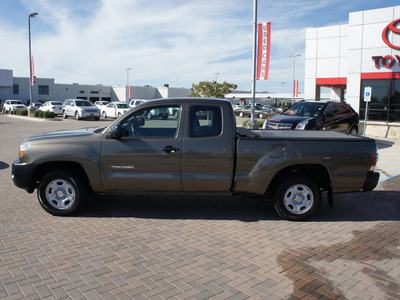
[[56, 103], [306, 109], [16, 102], [83, 103], [122, 105]]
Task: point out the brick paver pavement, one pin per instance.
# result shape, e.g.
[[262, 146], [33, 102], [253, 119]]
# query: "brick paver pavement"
[[125, 247]]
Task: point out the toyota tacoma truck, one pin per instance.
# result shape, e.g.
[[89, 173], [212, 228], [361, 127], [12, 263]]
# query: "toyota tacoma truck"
[[197, 151]]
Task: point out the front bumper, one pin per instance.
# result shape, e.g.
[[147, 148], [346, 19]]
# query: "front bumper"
[[90, 114], [22, 175], [371, 181]]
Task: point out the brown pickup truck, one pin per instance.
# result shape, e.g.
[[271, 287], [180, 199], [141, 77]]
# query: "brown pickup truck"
[[197, 149]]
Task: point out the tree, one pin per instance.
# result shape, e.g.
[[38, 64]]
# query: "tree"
[[212, 89]]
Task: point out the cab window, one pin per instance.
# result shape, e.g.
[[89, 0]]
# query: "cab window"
[[205, 121], [152, 122]]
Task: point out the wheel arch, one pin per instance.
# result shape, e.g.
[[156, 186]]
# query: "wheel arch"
[[69, 166], [316, 172]]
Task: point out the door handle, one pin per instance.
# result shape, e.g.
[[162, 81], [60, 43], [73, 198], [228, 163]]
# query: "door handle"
[[170, 149]]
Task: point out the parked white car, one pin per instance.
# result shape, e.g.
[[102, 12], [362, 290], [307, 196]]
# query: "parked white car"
[[80, 109], [135, 102], [54, 106], [101, 104], [12, 105], [114, 110]]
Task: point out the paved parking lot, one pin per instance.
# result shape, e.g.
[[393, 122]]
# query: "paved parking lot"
[[126, 247]]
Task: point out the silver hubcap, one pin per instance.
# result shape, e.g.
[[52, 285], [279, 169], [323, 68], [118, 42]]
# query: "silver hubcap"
[[60, 194], [298, 199]]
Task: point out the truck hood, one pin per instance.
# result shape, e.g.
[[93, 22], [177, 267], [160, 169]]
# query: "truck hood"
[[65, 133]]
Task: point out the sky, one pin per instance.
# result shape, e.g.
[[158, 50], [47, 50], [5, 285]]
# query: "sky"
[[175, 42]]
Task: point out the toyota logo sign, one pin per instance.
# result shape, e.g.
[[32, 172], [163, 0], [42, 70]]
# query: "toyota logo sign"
[[391, 27]]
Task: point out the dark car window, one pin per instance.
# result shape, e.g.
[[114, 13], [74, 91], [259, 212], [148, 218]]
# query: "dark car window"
[[331, 109], [83, 103], [205, 121], [343, 109]]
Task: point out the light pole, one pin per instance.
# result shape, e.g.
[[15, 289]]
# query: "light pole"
[[282, 86], [216, 76], [31, 15], [128, 94], [294, 66]]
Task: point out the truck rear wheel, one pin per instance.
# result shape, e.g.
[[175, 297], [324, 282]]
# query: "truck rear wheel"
[[297, 198], [61, 193]]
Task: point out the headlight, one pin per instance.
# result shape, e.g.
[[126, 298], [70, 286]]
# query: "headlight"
[[23, 148], [302, 125]]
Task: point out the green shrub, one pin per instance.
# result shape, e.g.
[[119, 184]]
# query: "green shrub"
[[44, 114], [21, 112], [260, 123], [48, 114]]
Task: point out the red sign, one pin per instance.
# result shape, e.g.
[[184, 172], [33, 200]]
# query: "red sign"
[[263, 53], [388, 61], [391, 27], [295, 88]]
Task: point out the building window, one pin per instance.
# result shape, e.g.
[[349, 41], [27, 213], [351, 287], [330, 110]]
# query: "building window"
[[385, 100], [16, 89], [81, 92], [43, 90], [94, 92]]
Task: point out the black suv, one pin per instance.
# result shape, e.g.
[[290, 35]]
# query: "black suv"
[[308, 115]]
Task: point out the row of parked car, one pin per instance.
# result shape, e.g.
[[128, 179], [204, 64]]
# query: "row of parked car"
[[84, 109]]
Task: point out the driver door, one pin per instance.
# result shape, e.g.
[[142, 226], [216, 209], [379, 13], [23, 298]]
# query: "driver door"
[[147, 158]]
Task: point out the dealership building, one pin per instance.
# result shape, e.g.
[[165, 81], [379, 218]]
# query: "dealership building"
[[363, 53], [45, 89]]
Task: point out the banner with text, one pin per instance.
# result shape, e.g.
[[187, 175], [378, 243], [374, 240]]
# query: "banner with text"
[[263, 50]]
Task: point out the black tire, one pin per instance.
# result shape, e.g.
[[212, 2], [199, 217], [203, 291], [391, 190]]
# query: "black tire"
[[67, 199], [97, 118], [65, 116], [164, 117], [353, 130], [297, 198]]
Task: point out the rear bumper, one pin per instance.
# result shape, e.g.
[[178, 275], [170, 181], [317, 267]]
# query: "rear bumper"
[[22, 175], [371, 181]]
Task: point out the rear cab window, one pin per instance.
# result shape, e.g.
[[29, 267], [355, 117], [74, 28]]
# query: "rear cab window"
[[205, 121]]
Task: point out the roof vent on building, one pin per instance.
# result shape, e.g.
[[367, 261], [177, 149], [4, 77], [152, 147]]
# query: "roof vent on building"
[[166, 85]]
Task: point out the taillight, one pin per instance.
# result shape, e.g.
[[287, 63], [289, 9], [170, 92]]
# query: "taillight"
[[374, 161]]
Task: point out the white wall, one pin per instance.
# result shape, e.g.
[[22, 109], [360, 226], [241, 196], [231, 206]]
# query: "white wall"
[[346, 51]]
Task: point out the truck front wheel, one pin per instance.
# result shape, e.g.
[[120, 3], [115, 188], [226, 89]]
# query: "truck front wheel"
[[297, 198], [61, 193]]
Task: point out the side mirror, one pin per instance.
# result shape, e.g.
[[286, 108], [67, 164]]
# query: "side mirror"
[[115, 132]]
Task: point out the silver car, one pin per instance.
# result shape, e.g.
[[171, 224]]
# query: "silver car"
[[80, 109]]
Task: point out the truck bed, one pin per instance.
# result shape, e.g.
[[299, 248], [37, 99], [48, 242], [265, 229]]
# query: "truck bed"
[[297, 135]]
